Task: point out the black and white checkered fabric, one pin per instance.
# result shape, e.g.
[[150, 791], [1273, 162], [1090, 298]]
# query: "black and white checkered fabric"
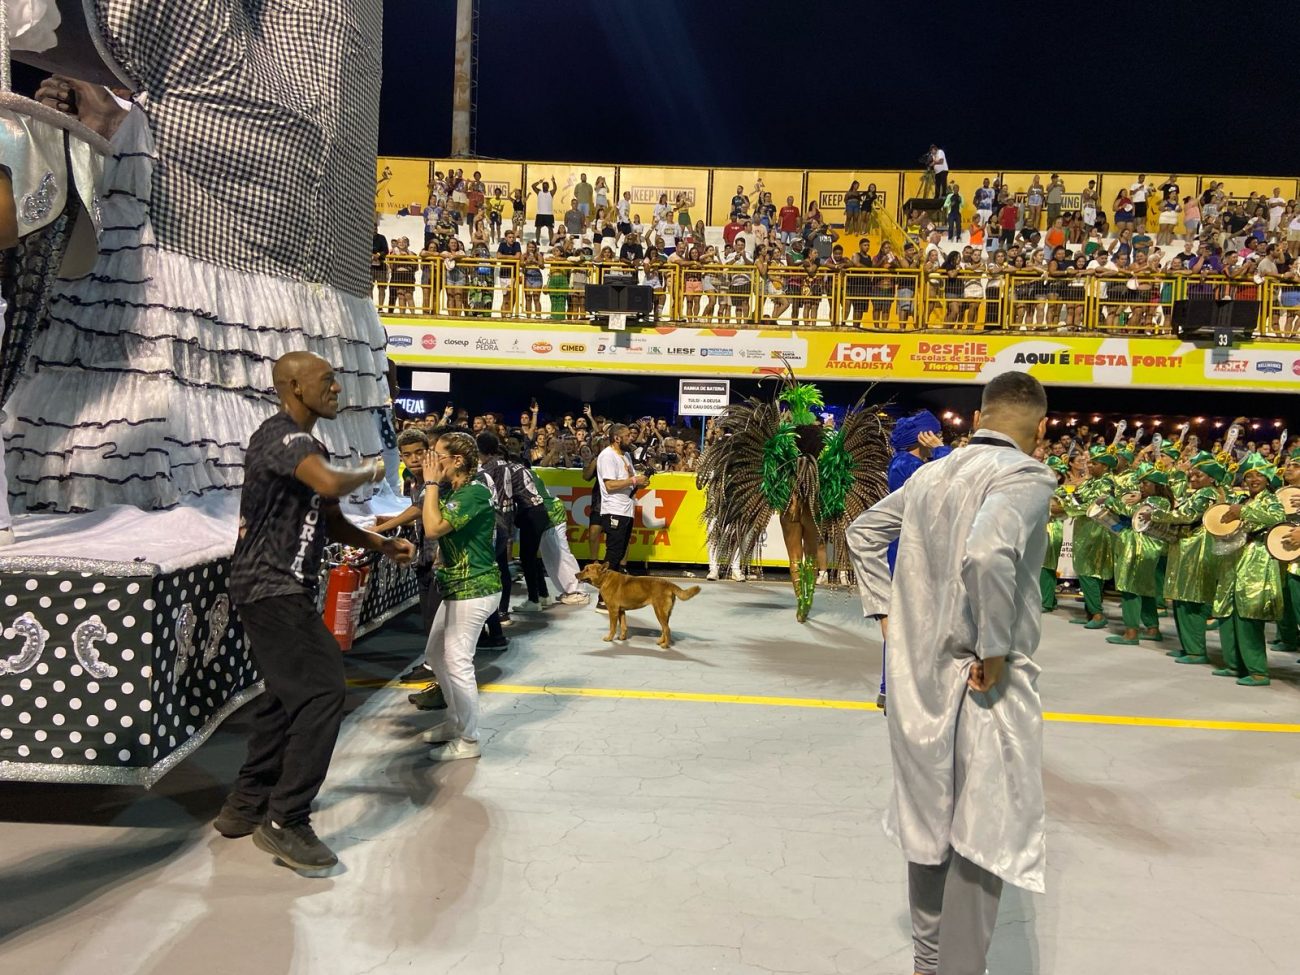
[[269, 111]]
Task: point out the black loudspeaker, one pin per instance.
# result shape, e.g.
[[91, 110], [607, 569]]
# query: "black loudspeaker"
[[1204, 315], [620, 294], [923, 204]]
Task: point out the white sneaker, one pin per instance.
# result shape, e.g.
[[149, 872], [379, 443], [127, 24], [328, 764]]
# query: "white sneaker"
[[546, 601], [457, 748], [575, 599], [529, 606], [439, 733], [738, 576], [712, 576], [6, 537], [822, 578]]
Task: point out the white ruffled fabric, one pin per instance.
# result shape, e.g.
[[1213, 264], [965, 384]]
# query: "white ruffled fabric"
[[156, 369], [32, 24]]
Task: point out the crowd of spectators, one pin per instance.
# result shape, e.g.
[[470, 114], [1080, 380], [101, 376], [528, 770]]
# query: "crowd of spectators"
[[781, 257]]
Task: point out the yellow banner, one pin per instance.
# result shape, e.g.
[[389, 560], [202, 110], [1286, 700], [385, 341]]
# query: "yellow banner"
[[1167, 363], [1239, 188], [779, 182], [503, 176], [563, 177], [401, 183], [648, 184], [669, 525], [828, 187]]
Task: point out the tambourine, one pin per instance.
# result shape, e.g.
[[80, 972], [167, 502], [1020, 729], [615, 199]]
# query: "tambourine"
[[1144, 524], [1227, 536], [1279, 545], [1289, 499], [1111, 520]]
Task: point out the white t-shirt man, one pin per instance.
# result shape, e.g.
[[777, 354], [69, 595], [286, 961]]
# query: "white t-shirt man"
[[1138, 192], [614, 466], [545, 203], [940, 161], [1276, 207]]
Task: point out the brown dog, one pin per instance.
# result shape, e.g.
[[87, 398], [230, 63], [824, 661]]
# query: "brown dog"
[[622, 592]]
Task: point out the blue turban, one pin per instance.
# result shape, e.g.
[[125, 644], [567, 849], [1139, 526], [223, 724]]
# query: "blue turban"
[[908, 430]]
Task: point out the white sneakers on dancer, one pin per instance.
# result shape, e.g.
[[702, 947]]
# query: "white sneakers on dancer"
[[574, 599]]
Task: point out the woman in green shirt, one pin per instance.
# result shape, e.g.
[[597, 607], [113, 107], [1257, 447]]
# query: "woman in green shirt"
[[464, 524]]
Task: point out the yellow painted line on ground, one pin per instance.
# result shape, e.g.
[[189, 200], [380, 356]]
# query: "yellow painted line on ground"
[[834, 704]]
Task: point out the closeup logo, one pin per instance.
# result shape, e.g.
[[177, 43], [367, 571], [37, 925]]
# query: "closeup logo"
[[860, 355], [1231, 365], [714, 350], [430, 341], [573, 347], [400, 341], [541, 348], [461, 343], [1268, 365]]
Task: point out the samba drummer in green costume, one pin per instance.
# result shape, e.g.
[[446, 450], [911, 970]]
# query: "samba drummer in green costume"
[[1093, 542], [1249, 591], [1055, 536], [1288, 628], [1137, 555], [775, 457], [1190, 578]]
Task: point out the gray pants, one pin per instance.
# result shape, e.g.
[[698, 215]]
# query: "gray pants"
[[966, 897]]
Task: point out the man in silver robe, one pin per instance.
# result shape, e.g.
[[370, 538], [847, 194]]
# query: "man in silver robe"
[[965, 721]]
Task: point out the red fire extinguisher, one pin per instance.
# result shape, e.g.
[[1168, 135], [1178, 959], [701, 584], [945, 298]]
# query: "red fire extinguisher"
[[344, 595]]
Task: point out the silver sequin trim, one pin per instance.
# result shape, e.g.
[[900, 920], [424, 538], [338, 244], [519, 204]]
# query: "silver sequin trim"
[[83, 645], [99, 567], [36, 205], [34, 637]]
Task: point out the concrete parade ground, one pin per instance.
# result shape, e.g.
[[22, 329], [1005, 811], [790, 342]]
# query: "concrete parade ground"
[[713, 808]]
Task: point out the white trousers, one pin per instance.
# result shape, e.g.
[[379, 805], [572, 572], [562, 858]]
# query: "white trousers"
[[560, 564], [450, 655], [6, 520], [713, 562]]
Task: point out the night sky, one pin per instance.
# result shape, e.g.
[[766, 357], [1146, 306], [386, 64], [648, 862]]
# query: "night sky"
[[1190, 87]]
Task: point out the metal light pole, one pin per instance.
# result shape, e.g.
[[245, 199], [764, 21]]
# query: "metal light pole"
[[464, 88]]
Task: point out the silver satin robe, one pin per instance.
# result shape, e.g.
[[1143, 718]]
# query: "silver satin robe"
[[967, 766]]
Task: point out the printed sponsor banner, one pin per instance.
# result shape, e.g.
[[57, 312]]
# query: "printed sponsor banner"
[[832, 354], [669, 525]]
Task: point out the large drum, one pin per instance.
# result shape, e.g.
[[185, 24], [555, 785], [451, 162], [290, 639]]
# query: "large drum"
[[1144, 524], [1279, 545], [1228, 534], [1102, 515]]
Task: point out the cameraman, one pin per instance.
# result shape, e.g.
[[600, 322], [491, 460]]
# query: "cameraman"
[[939, 163]]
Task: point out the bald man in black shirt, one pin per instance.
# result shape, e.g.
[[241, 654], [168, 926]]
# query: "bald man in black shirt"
[[289, 508]]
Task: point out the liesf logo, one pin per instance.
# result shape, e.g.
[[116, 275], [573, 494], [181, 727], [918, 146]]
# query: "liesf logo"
[[1268, 365], [573, 347], [541, 348], [679, 350], [429, 341], [400, 341], [860, 355]]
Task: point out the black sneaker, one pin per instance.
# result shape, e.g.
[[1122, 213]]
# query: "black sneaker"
[[488, 642], [233, 823], [429, 699], [296, 846], [601, 607], [419, 674]]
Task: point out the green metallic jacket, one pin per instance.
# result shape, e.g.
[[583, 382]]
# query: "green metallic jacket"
[[1250, 580], [1093, 543], [1191, 575], [1136, 555]]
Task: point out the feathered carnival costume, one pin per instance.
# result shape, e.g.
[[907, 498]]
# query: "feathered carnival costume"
[[771, 457]]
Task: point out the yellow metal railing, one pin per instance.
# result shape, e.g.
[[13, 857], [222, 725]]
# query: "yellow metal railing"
[[1131, 301]]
